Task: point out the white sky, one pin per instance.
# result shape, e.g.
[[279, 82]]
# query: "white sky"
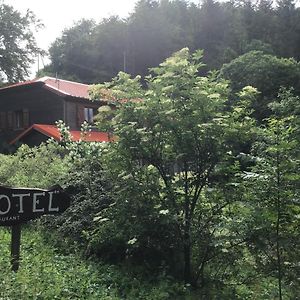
[[57, 15]]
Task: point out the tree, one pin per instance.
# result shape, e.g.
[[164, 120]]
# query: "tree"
[[170, 145], [150, 36], [111, 43], [156, 29], [211, 32], [89, 52], [73, 54], [272, 188], [265, 72], [17, 43], [288, 28], [263, 22]]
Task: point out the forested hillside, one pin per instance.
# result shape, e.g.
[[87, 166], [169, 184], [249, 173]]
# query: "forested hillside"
[[94, 51]]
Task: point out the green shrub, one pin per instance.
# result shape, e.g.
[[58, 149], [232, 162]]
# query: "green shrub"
[[38, 167]]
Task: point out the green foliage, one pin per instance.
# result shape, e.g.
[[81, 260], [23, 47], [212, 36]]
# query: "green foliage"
[[47, 274], [37, 167], [171, 148], [265, 72], [258, 45], [18, 45], [192, 187], [97, 49], [129, 86], [85, 182], [272, 189]]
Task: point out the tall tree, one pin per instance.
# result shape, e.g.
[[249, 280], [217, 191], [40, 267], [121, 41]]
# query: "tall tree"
[[273, 191], [90, 52], [18, 47], [264, 22], [111, 44], [170, 147], [150, 37], [73, 54], [211, 31], [288, 28]]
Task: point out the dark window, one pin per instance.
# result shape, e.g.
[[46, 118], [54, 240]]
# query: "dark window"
[[89, 114], [85, 114], [80, 115], [10, 123], [25, 118], [19, 119], [3, 120]]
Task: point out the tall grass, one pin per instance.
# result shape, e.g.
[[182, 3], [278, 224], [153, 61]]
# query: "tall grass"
[[46, 273]]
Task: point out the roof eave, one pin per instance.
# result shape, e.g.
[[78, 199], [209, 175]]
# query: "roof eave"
[[28, 130]]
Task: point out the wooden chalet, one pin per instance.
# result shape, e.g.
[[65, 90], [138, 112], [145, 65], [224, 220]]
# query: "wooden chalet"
[[26, 107]]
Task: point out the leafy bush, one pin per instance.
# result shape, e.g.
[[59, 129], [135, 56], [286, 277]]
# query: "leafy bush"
[[38, 167], [85, 183]]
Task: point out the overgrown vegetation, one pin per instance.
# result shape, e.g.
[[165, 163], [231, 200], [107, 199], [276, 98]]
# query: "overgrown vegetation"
[[196, 198], [47, 274]]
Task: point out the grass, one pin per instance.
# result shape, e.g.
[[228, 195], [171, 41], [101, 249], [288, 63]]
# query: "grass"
[[46, 273]]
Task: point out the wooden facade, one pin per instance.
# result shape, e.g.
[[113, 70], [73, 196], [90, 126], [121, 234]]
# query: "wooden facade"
[[36, 103]]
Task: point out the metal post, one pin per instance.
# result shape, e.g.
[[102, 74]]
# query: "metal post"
[[15, 246]]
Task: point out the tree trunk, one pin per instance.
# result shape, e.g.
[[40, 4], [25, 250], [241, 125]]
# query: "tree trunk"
[[187, 254], [187, 229]]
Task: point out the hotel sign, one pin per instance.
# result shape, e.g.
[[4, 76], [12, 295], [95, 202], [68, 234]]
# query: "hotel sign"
[[19, 205]]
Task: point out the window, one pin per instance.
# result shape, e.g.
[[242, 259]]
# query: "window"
[[2, 120], [21, 119], [18, 119], [85, 114], [89, 114]]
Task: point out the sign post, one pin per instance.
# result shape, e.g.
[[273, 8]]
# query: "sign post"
[[19, 205], [15, 247]]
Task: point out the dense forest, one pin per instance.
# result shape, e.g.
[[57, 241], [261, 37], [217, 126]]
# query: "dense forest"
[[198, 195], [93, 52]]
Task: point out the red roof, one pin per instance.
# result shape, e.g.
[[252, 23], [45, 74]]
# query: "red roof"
[[67, 87], [51, 131], [64, 87]]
